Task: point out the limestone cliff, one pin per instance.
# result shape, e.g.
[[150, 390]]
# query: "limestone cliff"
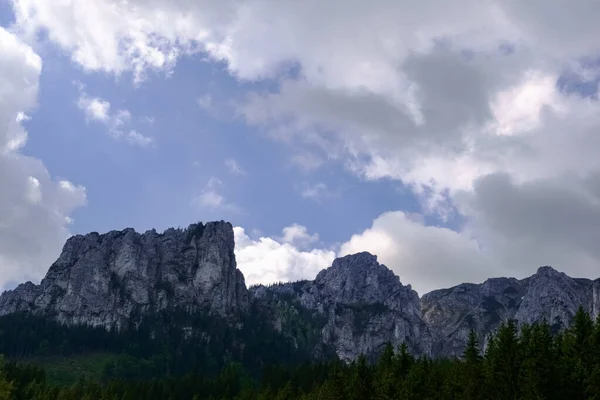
[[110, 279], [353, 307], [361, 303], [547, 295]]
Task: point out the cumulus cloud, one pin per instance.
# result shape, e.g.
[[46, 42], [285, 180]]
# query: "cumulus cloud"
[[435, 99], [35, 208], [426, 257], [265, 260], [298, 236], [513, 228], [459, 100]]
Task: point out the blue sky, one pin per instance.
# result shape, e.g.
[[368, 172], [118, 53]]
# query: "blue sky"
[[379, 128], [154, 187]]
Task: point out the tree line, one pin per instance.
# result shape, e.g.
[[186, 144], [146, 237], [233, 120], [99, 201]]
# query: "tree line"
[[519, 363]]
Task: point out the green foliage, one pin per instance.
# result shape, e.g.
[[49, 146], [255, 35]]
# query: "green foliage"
[[523, 363], [6, 386], [63, 371]]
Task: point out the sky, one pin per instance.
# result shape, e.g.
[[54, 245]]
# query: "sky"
[[455, 140]]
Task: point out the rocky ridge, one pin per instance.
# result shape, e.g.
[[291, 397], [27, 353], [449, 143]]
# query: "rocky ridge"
[[353, 307], [112, 279], [361, 303], [547, 295]]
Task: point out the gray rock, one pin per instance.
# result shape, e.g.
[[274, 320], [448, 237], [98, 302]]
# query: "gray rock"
[[361, 305], [547, 295], [108, 280], [353, 307]]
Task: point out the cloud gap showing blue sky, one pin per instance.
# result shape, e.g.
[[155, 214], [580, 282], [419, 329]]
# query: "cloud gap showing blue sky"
[[455, 142]]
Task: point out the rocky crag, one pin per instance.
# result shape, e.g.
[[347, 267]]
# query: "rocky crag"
[[547, 295], [353, 307], [361, 303], [118, 277]]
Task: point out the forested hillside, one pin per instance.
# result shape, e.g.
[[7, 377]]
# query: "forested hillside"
[[525, 363]]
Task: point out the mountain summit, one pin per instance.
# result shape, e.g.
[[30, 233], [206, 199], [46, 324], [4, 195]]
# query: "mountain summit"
[[111, 279], [353, 307]]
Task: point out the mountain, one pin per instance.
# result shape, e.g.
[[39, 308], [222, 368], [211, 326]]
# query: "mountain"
[[547, 295], [112, 279], [353, 307], [361, 303]]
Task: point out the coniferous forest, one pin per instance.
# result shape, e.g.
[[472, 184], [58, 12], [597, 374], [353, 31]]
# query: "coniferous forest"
[[527, 362]]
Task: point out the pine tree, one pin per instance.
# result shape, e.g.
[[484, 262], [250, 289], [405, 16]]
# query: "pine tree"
[[472, 374], [404, 361], [538, 377], [335, 387], [593, 381], [577, 355], [360, 380], [6, 387], [385, 380], [503, 363]]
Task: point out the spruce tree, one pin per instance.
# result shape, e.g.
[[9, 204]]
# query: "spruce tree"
[[360, 380], [503, 363], [472, 374], [385, 380]]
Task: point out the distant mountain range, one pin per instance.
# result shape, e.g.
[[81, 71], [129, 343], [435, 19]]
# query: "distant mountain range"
[[353, 307]]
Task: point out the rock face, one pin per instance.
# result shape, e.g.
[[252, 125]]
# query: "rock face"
[[361, 305], [353, 307], [108, 280], [547, 295]]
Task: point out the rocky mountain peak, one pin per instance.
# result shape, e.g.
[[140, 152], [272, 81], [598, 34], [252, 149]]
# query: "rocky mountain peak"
[[355, 306], [362, 305], [359, 278], [548, 271], [554, 297], [112, 278]]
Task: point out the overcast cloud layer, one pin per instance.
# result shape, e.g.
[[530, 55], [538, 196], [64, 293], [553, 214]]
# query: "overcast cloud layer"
[[486, 109]]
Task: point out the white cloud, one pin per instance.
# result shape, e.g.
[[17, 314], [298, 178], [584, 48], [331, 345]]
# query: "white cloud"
[[408, 93], [99, 110], [316, 192], [234, 167], [512, 229], [298, 236], [34, 208], [265, 260], [444, 96], [94, 108], [140, 140], [211, 197], [426, 257]]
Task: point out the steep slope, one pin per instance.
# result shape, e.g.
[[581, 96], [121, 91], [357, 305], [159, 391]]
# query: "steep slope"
[[361, 305], [547, 295], [111, 279]]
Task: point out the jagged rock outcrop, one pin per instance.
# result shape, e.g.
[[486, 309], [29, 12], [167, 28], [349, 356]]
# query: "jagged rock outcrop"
[[111, 279], [361, 305], [353, 307], [547, 295]]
